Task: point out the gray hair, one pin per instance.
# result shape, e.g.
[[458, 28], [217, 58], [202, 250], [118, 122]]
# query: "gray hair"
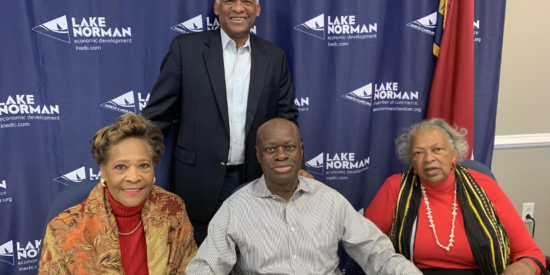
[[257, 2], [455, 137]]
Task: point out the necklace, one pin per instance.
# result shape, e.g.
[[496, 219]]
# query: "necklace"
[[432, 225], [126, 234]]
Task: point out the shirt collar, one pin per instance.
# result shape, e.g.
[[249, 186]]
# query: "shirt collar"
[[261, 190], [226, 39]]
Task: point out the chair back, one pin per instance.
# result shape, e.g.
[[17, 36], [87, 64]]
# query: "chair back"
[[240, 187], [68, 197], [478, 167]]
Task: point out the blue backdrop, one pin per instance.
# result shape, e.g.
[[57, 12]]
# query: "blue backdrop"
[[362, 69]]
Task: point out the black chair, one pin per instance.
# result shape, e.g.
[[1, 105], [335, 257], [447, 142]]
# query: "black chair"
[[68, 197], [240, 187], [478, 166]]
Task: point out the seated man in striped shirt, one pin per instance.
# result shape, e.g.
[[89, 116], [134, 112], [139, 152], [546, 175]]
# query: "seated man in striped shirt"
[[285, 224]]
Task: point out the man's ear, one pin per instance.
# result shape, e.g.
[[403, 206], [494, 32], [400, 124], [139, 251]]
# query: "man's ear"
[[257, 154], [216, 9], [258, 9]]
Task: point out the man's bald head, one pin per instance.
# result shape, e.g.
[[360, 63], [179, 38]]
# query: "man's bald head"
[[279, 152], [276, 124]]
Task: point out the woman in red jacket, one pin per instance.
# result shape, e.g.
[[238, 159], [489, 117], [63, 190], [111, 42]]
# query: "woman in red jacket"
[[442, 215]]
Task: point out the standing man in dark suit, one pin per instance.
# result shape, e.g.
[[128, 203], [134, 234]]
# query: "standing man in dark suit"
[[221, 85]]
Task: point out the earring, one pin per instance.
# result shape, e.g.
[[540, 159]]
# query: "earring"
[[102, 183], [154, 180], [454, 163], [414, 171]]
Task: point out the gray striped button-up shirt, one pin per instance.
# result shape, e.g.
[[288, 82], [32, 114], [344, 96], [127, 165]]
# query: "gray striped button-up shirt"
[[256, 232]]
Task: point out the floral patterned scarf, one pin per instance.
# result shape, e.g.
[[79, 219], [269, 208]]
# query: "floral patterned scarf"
[[84, 238]]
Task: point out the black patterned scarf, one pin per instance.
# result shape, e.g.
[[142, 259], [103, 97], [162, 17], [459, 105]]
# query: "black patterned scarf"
[[485, 232]]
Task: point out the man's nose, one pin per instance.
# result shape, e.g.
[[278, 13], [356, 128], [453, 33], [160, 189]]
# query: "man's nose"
[[238, 6], [281, 154]]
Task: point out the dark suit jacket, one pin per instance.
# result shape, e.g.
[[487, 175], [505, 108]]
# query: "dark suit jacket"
[[191, 89]]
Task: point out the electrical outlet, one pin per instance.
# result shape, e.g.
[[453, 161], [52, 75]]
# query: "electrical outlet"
[[528, 208]]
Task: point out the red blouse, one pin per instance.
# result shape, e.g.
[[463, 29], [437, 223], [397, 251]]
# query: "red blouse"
[[133, 248], [427, 254]]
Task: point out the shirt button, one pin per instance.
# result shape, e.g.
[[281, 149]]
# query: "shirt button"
[[273, 197], [288, 205], [237, 100], [292, 229], [237, 79], [294, 256], [236, 121]]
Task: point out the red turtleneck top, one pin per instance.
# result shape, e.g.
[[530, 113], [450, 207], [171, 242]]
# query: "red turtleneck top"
[[427, 254], [133, 247]]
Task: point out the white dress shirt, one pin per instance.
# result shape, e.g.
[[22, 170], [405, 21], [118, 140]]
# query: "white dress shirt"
[[256, 232], [237, 66]]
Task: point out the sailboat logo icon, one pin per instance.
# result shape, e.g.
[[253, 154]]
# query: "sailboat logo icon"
[[316, 165], [192, 25], [314, 27], [426, 24], [6, 253], [124, 103], [76, 176], [362, 95], [56, 29]]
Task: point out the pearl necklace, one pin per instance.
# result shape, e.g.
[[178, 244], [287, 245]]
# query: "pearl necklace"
[[126, 234], [432, 225]]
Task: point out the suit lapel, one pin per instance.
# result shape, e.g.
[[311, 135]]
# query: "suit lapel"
[[258, 72], [213, 58]]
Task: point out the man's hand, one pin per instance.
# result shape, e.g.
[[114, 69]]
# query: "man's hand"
[[521, 267], [305, 174]]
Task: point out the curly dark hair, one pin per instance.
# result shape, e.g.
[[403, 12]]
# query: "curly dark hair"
[[127, 126]]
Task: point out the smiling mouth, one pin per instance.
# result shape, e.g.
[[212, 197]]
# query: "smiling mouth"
[[132, 191], [238, 19]]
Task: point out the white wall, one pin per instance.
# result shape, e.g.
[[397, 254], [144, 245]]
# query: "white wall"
[[523, 175], [524, 108]]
